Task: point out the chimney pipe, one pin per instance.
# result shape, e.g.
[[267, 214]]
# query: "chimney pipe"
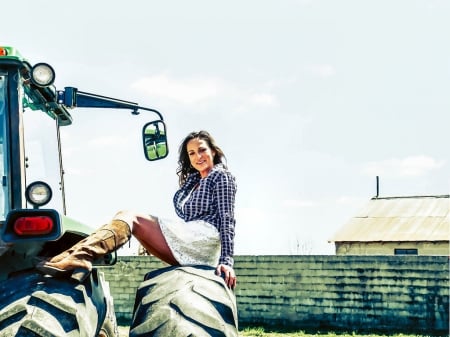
[[378, 186]]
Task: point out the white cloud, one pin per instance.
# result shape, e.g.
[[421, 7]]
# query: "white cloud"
[[197, 90], [185, 91], [298, 203], [349, 200], [109, 141], [321, 70], [250, 215], [263, 99], [413, 166]]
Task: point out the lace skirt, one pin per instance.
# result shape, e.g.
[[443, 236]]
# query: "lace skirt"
[[193, 242]]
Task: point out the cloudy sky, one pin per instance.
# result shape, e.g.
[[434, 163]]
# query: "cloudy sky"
[[309, 99]]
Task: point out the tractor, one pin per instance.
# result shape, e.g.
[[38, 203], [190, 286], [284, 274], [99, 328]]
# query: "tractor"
[[34, 225]]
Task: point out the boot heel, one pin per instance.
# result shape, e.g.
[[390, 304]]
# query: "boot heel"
[[80, 274]]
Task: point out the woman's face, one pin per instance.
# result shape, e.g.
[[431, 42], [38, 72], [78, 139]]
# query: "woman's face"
[[200, 155]]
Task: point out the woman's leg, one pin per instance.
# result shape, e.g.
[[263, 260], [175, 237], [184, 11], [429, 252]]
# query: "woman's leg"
[[104, 240], [147, 231], [108, 238]]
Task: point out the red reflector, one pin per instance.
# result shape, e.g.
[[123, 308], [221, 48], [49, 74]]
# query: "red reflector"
[[33, 225]]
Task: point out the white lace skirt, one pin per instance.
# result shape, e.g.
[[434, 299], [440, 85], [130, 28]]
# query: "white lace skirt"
[[192, 243]]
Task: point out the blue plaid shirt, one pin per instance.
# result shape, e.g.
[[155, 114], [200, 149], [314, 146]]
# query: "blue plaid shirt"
[[212, 200]]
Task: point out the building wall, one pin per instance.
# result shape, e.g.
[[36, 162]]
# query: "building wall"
[[387, 248], [353, 293]]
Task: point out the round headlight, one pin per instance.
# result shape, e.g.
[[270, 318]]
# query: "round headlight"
[[38, 193], [42, 75]]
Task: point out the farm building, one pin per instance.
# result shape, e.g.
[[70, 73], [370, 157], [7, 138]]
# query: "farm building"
[[418, 225]]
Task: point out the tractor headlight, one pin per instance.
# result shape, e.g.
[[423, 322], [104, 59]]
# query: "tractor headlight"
[[38, 193], [42, 75]]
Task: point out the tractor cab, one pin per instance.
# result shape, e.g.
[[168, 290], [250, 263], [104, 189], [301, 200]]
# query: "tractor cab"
[[32, 111]]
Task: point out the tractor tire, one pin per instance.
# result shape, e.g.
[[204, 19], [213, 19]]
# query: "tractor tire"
[[184, 301], [34, 305]]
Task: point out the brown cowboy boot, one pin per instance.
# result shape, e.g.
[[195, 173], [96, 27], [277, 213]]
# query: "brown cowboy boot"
[[78, 259]]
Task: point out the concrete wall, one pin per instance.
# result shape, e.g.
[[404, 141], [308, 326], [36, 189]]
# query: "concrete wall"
[[353, 293]]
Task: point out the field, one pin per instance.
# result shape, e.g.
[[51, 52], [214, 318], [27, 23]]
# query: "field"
[[260, 332]]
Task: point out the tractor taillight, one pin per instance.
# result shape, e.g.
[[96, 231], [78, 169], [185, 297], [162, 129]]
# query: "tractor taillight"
[[3, 51], [33, 225]]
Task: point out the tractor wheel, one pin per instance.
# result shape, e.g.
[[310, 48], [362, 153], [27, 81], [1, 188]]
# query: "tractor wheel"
[[184, 301], [109, 327], [34, 305]]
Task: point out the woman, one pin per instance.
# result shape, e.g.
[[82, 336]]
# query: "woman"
[[204, 235]]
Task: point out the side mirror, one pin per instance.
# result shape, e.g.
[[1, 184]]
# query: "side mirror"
[[154, 139]]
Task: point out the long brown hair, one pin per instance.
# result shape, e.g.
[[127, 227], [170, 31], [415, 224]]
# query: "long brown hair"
[[184, 164]]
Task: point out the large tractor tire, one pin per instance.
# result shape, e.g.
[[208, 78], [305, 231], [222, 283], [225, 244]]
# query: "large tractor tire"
[[184, 301], [34, 305]]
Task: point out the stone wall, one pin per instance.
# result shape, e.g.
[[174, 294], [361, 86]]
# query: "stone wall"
[[352, 293]]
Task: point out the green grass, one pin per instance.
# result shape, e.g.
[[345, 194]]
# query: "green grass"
[[261, 332]]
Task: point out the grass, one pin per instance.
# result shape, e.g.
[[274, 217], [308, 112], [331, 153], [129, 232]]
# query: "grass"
[[261, 332]]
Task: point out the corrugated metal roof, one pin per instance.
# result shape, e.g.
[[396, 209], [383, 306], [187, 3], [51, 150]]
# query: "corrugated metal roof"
[[421, 218]]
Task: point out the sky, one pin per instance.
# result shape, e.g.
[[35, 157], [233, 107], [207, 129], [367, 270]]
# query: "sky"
[[310, 100]]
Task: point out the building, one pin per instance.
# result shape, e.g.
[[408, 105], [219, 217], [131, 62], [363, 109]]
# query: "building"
[[417, 225]]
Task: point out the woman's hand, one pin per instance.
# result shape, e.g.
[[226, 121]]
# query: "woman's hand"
[[228, 275]]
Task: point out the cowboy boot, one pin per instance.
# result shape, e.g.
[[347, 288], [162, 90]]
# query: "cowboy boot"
[[77, 260]]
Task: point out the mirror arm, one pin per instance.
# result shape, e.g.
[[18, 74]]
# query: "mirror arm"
[[136, 112], [71, 98]]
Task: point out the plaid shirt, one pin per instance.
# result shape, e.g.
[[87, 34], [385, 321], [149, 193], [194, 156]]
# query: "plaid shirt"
[[211, 199]]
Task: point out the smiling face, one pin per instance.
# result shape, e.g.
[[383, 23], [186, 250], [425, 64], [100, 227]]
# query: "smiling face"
[[200, 155]]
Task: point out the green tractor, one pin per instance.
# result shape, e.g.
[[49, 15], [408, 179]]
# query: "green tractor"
[[33, 304]]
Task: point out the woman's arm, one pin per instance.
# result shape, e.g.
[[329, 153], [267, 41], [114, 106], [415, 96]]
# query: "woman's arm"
[[225, 191]]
